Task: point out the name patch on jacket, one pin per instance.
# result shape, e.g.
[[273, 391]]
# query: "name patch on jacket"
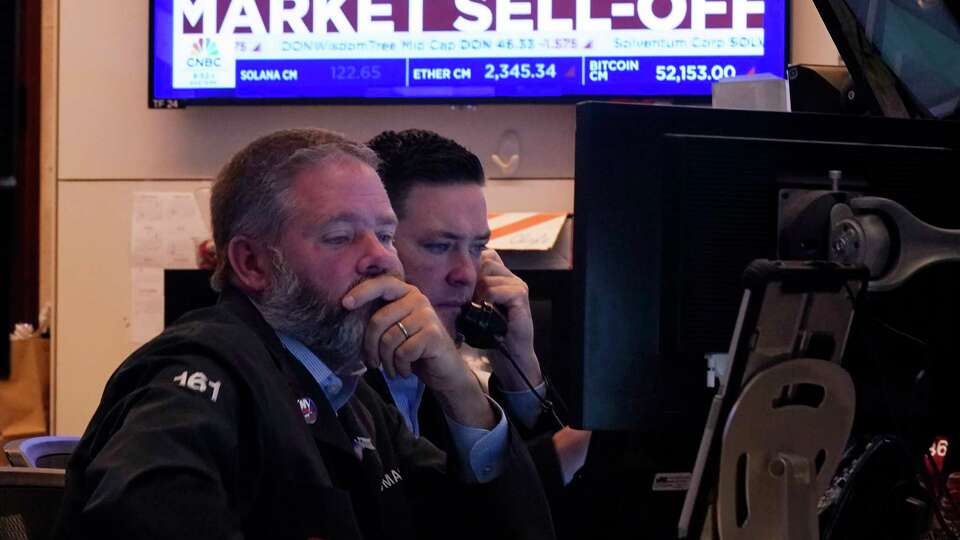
[[390, 479]]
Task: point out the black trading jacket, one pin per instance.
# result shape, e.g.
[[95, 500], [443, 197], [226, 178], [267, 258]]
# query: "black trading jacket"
[[203, 433], [539, 439]]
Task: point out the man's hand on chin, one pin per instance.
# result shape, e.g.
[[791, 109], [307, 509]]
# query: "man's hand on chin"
[[406, 337]]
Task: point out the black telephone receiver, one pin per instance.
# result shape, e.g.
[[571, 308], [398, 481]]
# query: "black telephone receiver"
[[481, 324]]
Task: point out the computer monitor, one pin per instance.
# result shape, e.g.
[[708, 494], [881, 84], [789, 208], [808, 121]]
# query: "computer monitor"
[[902, 54], [672, 203], [185, 291]]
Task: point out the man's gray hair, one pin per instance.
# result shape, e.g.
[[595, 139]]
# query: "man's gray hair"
[[251, 194]]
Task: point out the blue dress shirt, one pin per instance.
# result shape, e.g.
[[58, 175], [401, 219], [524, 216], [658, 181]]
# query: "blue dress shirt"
[[407, 394], [483, 450]]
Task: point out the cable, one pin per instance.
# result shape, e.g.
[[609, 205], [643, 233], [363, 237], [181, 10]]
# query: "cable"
[[901, 333], [933, 482], [545, 403], [926, 480]]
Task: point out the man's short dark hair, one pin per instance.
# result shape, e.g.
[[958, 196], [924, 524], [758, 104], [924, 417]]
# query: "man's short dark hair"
[[417, 156]]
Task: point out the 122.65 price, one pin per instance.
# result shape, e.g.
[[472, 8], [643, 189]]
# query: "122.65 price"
[[694, 72], [354, 73]]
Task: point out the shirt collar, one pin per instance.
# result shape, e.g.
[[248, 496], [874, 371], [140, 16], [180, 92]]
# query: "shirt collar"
[[337, 390]]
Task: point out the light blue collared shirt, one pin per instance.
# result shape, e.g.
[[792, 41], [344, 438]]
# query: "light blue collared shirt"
[[524, 405], [407, 395], [484, 451]]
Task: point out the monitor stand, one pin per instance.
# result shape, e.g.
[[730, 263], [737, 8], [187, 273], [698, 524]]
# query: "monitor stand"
[[778, 426], [783, 440]]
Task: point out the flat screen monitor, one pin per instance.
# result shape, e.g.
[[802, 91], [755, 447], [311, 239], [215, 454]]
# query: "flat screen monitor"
[[185, 291], [902, 54], [672, 203], [259, 51]]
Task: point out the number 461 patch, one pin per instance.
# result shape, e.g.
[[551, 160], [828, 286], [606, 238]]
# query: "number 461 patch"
[[198, 382]]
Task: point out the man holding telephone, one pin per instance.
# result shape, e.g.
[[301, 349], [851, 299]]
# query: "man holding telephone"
[[436, 188], [250, 419]]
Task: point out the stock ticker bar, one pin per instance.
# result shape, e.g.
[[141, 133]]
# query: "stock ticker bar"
[[459, 48], [420, 77]]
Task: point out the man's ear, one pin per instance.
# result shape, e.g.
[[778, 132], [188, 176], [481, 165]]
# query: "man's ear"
[[250, 262]]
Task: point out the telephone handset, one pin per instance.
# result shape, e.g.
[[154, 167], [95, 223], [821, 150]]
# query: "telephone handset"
[[481, 324]]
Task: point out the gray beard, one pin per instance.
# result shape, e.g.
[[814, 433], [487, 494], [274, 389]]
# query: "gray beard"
[[292, 306]]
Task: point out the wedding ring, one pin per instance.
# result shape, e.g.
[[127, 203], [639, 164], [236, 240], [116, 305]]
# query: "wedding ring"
[[403, 330]]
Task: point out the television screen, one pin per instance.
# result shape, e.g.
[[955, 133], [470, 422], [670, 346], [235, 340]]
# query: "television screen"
[[228, 51]]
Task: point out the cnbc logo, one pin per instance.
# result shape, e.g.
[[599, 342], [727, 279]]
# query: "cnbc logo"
[[204, 54], [204, 62]]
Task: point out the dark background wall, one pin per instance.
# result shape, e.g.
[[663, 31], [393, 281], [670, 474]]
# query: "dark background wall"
[[19, 165]]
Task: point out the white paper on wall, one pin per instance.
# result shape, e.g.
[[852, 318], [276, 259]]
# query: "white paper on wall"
[[166, 228], [146, 303]]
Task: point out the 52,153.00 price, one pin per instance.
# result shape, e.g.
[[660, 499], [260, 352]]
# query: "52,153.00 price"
[[694, 72]]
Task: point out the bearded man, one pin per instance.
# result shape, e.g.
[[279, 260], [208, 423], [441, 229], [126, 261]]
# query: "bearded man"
[[250, 419]]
